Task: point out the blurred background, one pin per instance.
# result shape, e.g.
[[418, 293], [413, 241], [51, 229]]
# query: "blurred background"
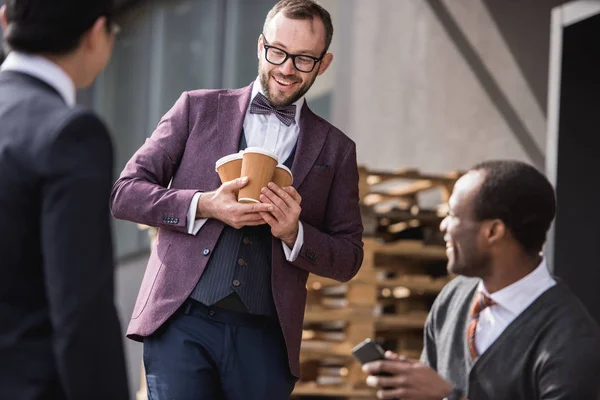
[[429, 86]]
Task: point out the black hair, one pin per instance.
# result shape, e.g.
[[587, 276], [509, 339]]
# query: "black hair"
[[521, 197], [51, 26]]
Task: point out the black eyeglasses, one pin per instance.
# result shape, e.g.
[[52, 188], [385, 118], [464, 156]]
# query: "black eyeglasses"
[[277, 56]]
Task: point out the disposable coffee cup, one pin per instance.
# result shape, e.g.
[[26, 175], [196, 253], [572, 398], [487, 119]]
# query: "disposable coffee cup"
[[283, 176], [258, 165], [229, 167]]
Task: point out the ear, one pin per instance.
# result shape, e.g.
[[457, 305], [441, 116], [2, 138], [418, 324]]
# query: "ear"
[[259, 46], [325, 63], [3, 20], [97, 33], [495, 231]]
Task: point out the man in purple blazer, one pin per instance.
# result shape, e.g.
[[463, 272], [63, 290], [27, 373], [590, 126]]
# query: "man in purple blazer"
[[221, 306]]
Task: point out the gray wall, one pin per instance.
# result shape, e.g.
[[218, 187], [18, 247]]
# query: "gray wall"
[[440, 85]]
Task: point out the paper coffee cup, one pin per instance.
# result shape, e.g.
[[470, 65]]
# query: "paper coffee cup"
[[258, 165], [229, 167], [282, 176]]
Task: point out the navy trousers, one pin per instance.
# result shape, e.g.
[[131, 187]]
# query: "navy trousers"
[[207, 353]]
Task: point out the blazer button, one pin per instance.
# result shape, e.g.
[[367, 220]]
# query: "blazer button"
[[236, 283], [241, 262], [246, 240], [211, 313], [206, 252]]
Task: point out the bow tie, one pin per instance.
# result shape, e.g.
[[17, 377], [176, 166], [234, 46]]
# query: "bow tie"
[[260, 105]]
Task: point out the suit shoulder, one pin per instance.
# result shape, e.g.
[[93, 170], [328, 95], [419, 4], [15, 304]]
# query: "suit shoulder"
[[80, 122], [210, 94], [569, 312]]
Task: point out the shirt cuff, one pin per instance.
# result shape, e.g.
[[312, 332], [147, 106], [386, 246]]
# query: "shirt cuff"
[[194, 224], [292, 254]]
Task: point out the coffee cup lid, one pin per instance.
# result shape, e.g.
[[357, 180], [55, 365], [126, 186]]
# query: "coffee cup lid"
[[227, 158], [260, 150], [283, 167]]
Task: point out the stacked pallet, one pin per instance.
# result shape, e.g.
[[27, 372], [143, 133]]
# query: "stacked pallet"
[[403, 270]]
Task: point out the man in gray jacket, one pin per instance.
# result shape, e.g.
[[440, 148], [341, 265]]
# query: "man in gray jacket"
[[505, 328]]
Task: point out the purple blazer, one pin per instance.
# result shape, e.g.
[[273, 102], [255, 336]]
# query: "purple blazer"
[[201, 127]]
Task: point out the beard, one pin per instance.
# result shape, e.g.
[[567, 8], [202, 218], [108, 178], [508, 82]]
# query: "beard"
[[280, 101]]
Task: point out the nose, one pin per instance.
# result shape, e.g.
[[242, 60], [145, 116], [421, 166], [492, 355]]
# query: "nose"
[[288, 68], [444, 224]]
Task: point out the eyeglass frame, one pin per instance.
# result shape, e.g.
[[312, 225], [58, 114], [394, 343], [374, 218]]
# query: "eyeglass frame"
[[267, 46]]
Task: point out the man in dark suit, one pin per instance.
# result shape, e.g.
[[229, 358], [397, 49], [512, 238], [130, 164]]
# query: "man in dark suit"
[[59, 332], [221, 306]]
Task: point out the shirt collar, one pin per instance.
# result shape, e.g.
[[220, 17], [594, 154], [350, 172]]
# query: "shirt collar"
[[519, 295], [257, 88], [43, 69]]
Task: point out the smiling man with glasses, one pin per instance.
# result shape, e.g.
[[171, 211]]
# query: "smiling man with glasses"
[[221, 305]]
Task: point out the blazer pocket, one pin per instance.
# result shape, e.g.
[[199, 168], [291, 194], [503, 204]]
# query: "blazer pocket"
[[155, 265], [325, 171]]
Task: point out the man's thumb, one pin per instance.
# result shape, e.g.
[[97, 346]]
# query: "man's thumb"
[[237, 184]]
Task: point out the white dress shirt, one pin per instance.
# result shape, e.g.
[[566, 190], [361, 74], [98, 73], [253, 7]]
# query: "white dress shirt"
[[44, 70], [268, 132], [510, 303]]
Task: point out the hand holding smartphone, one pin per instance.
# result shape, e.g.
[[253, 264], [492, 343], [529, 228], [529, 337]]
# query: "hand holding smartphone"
[[368, 351]]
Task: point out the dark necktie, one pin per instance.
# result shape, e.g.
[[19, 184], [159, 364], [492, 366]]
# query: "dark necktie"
[[482, 302], [260, 105]]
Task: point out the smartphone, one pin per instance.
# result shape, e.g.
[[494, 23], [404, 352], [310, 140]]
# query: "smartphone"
[[368, 351]]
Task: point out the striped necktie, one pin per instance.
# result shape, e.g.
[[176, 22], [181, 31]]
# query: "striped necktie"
[[481, 302]]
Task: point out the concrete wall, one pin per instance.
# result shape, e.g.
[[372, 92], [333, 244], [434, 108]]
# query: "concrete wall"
[[440, 85]]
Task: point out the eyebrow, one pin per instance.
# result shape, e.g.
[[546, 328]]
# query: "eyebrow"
[[284, 47]]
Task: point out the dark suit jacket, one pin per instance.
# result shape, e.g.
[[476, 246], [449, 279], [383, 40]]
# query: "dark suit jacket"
[[202, 127], [59, 333]]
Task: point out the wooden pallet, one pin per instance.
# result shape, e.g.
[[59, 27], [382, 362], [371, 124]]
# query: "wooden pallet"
[[361, 312]]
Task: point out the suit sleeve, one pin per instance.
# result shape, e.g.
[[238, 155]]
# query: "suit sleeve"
[[78, 263], [337, 251], [141, 193]]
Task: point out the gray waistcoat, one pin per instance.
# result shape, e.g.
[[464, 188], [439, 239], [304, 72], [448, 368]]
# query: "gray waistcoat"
[[241, 264]]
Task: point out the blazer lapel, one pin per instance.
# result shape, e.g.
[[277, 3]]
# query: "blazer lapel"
[[230, 119], [313, 133]]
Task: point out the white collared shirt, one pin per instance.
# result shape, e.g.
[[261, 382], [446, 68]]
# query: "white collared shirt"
[[268, 132], [510, 303], [43, 69]]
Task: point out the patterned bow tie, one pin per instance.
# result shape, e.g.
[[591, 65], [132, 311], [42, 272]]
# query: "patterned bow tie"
[[260, 105]]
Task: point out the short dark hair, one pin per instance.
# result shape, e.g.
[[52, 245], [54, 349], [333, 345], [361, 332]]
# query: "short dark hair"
[[521, 197], [303, 9], [51, 26]]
